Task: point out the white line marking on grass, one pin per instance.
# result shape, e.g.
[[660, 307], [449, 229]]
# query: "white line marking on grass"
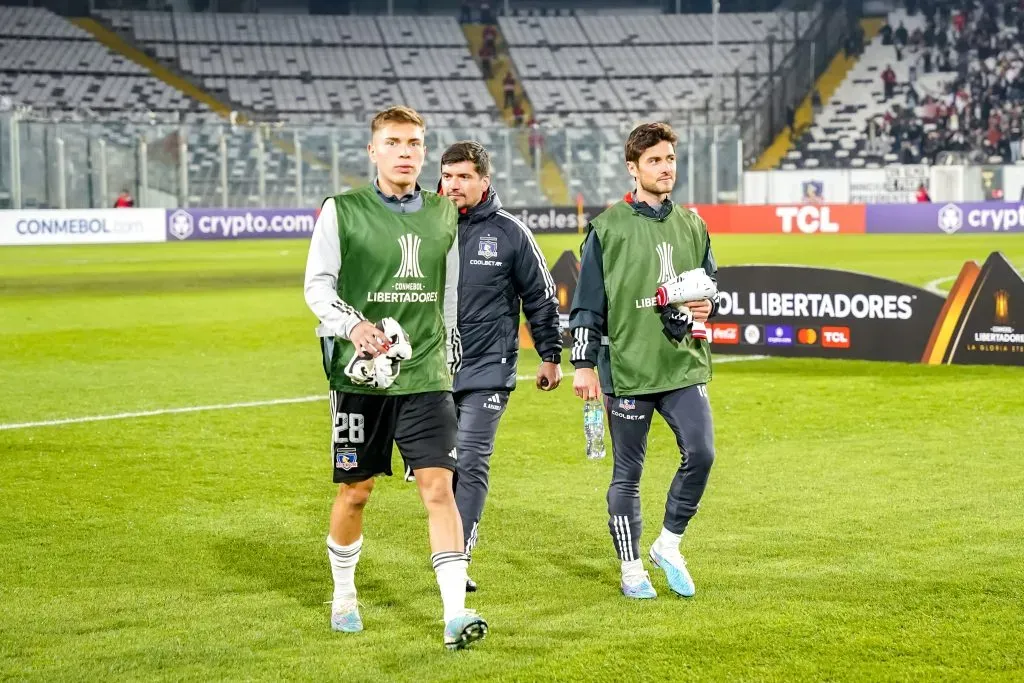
[[736, 359], [933, 286], [235, 406], [162, 411]]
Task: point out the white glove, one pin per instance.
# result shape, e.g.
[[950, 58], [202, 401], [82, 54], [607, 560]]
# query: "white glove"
[[360, 369], [382, 371], [399, 347]]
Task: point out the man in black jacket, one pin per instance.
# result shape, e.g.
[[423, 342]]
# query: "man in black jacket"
[[501, 268]]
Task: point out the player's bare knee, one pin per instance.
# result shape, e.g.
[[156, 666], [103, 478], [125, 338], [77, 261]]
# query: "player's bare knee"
[[436, 491], [355, 495]]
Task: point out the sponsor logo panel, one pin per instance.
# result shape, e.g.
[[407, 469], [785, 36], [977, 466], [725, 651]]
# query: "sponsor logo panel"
[[725, 333], [835, 337], [231, 224], [81, 226], [779, 335]]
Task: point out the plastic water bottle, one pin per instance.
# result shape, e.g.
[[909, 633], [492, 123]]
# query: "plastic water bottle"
[[593, 428]]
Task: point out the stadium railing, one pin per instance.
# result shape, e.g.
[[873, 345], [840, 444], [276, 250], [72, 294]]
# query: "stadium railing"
[[78, 161], [792, 77], [6, 158]]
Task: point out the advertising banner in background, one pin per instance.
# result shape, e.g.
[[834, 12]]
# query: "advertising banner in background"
[[82, 226], [561, 219], [234, 224], [98, 226], [721, 218], [982, 321], [822, 313], [808, 312], [800, 219], [950, 218], [892, 184]]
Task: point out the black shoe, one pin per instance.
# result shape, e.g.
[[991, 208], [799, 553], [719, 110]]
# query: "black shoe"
[[470, 586]]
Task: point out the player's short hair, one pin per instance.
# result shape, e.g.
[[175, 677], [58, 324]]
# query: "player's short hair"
[[396, 114], [468, 150], [647, 135]]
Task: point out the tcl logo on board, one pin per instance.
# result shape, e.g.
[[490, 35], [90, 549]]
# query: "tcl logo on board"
[[835, 337], [725, 333], [797, 219], [806, 219]]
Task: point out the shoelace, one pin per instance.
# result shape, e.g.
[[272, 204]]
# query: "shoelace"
[[672, 555], [344, 603], [635, 580]]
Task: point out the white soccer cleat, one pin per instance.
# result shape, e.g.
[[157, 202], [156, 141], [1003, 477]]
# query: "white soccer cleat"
[[345, 616], [693, 285], [638, 587], [468, 627], [674, 566]]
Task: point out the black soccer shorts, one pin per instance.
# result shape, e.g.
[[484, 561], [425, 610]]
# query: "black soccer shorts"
[[365, 428]]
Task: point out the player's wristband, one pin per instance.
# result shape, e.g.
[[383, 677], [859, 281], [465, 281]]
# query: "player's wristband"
[[555, 358]]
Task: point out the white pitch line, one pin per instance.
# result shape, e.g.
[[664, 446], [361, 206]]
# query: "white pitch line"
[[234, 406], [161, 411], [933, 286], [736, 359]]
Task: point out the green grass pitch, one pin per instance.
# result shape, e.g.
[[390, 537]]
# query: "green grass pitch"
[[863, 520]]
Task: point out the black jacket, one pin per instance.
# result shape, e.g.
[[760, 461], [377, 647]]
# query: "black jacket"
[[501, 267]]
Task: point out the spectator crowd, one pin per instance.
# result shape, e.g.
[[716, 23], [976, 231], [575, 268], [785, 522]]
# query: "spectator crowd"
[[981, 46]]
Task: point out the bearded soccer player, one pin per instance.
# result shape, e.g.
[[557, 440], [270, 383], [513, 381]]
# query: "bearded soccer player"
[[647, 357], [501, 268], [382, 278]]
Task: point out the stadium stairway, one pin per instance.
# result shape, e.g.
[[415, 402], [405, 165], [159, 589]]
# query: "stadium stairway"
[[553, 185], [115, 42], [827, 84]]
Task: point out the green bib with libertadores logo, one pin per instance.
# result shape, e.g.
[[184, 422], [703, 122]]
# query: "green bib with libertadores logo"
[[639, 253], [394, 265]]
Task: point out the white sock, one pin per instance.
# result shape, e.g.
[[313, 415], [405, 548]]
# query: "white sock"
[[344, 559], [668, 540], [633, 569], [451, 569]]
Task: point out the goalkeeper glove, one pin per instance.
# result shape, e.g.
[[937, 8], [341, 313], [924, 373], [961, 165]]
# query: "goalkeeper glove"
[[382, 371]]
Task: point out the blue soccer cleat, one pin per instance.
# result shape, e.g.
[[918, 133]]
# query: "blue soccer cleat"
[[464, 629], [639, 588], [674, 566], [345, 616]]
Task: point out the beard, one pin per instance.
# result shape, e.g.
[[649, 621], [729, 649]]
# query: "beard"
[[469, 198], [657, 186]]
